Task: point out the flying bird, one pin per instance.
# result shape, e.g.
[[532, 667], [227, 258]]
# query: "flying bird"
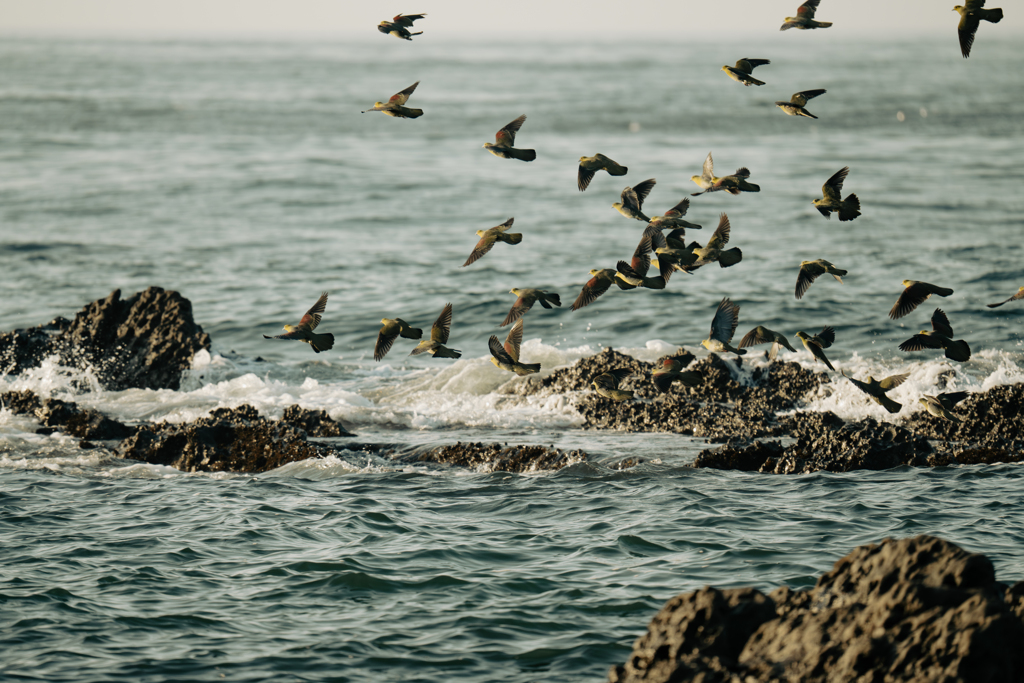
[[527, 297], [488, 237], [939, 337], [913, 296], [741, 72], [634, 273], [507, 357], [804, 18], [607, 384], [943, 404], [390, 330], [397, 30], [673, 218], [601, 280], [733, 184], [815, 344], [723, 327], [1016, 297], [671, 370], [303, 332], [672, 252], [394, 106], [632, 200], [591, 165], [795, 106], [809, 272], [876, 390], [762, 335], [832, 201], [971, 17], [405, 20], [435, 346], [505, 138], [713, 250]]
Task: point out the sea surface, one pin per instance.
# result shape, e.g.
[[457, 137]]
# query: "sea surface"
[[242, 174]]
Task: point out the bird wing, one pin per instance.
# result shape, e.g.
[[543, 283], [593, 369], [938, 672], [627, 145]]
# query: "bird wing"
[[801, 97], [966, 29], [940, 323], [680, 209], [584, 177], [629, 199], [742, 172], [482, 247], [721, 235], [709, 169], [657, 238], [758, 335], [498, 352], [514, 340], [594, 288], [911, 297], [723, 325], [383, 345], [441, 327], [401, 97], [807, 9], [1015, 297], [809, 272], [312, 317], [641, 261], [919, 342], [506, 137], [642, 190], [504, 226], [833, 187], [518, 310], [754, 63], [950, 399], [826, 338], [294, 334], [410, 17], [893, 381], [611, 379]]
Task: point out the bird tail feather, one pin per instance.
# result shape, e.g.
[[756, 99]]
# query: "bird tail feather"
[[849, 208], [995, 15], [412, 333], [959, 351], [445, 352], [527, 368], [322, 342], [512, 238], [889, 404], [522, 154], [617, 170], [730, 257]]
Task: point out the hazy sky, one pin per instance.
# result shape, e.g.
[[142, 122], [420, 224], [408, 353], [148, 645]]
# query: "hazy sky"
[[481, 18]]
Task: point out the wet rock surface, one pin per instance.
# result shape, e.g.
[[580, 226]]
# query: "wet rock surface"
[[914, 609], [145, 341], [56, 415], [502, 458]]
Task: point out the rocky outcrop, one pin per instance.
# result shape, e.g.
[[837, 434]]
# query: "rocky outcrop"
[[145, 341], [56, 415], [915, 609], [496, 458]]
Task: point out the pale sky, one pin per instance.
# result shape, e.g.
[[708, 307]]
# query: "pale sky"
[[485, 19]]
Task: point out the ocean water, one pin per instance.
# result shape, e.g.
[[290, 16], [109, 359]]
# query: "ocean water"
[[243, 175]]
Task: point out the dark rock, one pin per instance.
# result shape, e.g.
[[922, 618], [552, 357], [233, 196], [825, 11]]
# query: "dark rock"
[[916, 609], [497, 458], [54, 413], [749, 459], [314, 422], [229, 440], [145, 341]]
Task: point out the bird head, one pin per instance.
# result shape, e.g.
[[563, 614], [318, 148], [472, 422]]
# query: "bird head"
[[595, 271], [725, 68], [695, 178], [514, 291], [617, 206], [907, 283], [488, 145], [480, 233], [383, 321], [958, 8], [289, 328], [802, 335]]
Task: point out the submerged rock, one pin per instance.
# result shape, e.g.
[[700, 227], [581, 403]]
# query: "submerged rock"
[[915, 609], [74, 421], [497, 458], [145, 341]]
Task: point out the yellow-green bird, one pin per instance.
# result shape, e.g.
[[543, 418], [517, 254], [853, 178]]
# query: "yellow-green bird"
[[942, 405], [673, 218], [394, 106], [435, 346], [507, 357], [394, 29], [876, 390], [762, 335], [671, 370], [733, 184], [498, 233], [741, 72], [809, 272], [804, 18], [504, 140], [527, 297], [601, 281], [632, 200], [713, 251], [634, 273], [815, 344], [913, 295], [706, 180], [1016, 297], [303, 332], [832, 201], [607, 384], [795, 106], [723, 327], [672, 258], [591, 165], [390, 330], [971, 17], [939, 337]]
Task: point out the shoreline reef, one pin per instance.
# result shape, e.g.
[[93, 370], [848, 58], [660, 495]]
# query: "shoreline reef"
[[149, 340]]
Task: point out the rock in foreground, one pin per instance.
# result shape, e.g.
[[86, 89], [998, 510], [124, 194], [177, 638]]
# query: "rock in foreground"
[[915, 609], [496, 458], [145, 341]]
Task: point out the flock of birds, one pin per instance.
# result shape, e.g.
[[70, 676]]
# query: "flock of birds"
[[673, 253]]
